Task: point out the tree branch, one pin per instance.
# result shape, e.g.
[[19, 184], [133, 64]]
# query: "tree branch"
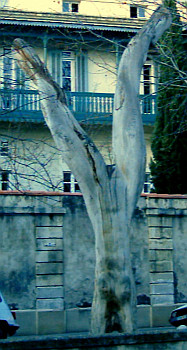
[[128, 138], [78, 151]]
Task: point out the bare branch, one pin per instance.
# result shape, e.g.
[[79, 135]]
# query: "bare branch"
[[70, 138], [128, 140]]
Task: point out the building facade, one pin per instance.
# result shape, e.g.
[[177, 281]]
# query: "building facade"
[[81, 43]]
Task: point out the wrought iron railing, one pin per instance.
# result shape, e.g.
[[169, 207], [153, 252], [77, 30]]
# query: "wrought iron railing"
[[85, 105]]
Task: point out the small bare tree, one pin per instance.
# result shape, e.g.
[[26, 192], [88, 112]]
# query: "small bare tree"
[[110, 194]]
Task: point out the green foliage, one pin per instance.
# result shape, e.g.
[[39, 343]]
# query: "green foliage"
[[169, 143]]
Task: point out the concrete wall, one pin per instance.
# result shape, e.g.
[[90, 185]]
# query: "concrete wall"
[[159, 340], [47, 260]]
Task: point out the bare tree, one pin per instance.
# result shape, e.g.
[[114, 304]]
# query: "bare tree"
[[110, 194]]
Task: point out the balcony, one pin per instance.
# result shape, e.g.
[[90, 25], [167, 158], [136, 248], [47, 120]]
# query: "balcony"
[[19, 105]]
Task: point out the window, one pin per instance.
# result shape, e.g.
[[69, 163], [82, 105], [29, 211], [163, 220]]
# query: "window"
[[69, 182], [62, 64], [66, 70], [20, 79], [69, 6], [146, 72], [4, 180], [66, 6], [147, 107], [13, 76], [147, 183], [141, 12], [133, 12], [74, 7], [136, 12], [70, 69], [3, 3], [7, 68], [4, 150]]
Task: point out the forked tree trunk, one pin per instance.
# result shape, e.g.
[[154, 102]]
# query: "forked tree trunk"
[[110, 194]]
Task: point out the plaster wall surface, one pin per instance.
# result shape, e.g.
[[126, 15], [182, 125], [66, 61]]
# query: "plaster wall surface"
[[102, 71], [102, 8], [34, 161], [92, 8], [47, 260], [180, 257]]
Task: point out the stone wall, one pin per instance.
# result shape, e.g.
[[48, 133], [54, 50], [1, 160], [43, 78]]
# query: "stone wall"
[[167, 226], [159, 340], [47, 260]]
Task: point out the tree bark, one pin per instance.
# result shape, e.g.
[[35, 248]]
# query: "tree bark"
[[110, 194]]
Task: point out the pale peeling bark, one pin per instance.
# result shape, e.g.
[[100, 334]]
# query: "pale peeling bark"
[[110, 194], [127, 123]]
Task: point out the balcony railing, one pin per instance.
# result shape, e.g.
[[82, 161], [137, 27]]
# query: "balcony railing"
[[88, 107]]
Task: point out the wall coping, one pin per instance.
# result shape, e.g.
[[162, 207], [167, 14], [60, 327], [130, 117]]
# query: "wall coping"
[[48, 193], [169, 196], [38, 193], [70, 341]]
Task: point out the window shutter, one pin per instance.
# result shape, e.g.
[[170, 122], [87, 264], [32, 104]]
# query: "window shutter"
[[82, 72], [3, 3], [141, 12], [56, 67]]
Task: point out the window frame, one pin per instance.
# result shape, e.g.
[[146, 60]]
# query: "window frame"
[[67, 6], [72, 183], [139, 11], [7, 68], [4, 148], [66, 58], [5, 181], [57, 57], [148, 185], [12, 75]]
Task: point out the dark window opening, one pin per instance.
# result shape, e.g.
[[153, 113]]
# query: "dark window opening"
[[75, 8], [147, 89], [4, 180], [67, 176], [77, 188], [67, 187], [133, 12], [4, 148], [146, 72]]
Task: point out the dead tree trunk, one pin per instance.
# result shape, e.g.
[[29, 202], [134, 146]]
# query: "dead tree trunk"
[[110, 194]]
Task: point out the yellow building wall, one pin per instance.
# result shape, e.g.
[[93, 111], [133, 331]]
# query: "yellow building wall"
[[36, 164], [101, 72], [101, 8], [104, 8], [35, 5]]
